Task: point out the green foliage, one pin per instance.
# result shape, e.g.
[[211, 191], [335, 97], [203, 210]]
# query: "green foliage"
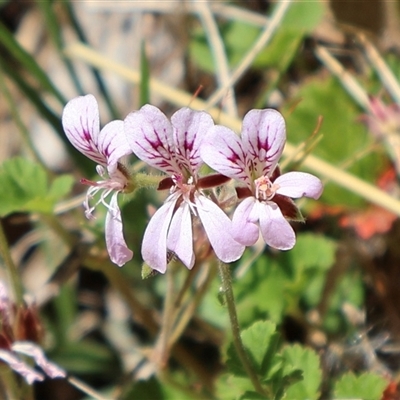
[[86, 357], [26, 187], [308, 361], [212, 307], [278, 287], [367, 386], [291, 372], [349, 289], [343, 136], [304, 16], [260, 341], [275, 285], [145, 390]]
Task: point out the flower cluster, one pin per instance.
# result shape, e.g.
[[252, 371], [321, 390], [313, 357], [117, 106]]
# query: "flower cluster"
[[81, 124], [179, 147]]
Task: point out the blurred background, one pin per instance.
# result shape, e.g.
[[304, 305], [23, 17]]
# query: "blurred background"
[[332, 69]]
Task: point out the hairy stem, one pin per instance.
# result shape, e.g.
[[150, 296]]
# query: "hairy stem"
[[227, 290]]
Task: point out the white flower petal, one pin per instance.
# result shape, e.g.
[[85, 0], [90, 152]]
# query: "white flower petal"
[[218, 229], [223, 151], [112, 143], [245, 229], [32, 350], [149, 134], [275, 230], [81, 123], [154, 244], [115, 242], [189, 129], [299, 184], [21, 367], [180, 235], [264, 137]]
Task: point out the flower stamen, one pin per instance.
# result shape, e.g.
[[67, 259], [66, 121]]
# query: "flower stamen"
[[265, 189]]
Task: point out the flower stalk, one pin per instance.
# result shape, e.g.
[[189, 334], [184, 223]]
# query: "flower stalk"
[[227, 290], [161, 349]]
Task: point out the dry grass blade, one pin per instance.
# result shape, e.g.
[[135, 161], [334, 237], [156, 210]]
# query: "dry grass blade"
[[223, 10], [347, 80], [220, 59], [180, 98], [247, 60], [387, 77]]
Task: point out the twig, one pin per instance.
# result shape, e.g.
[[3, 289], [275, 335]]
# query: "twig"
[[220, 59], [388, 79], [347, 80], [247, 60], [223, 10], [82, 386]]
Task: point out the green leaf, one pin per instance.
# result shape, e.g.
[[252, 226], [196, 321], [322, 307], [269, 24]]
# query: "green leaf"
[[212, 310], [308, 361], [260, 341], [304, 15], [367, 386], [250, 395], [230, 387], [25, 187], [343, 137], [61, 186], [238, 39], [274, 56], [321, 257], [301, 19], [275, 285], [261, 292], [308, 262]]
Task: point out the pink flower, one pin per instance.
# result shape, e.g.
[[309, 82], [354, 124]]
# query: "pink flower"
[[382, 120], [384, 123], [173, 147], [19, 328], [252, 160], [81, 124]]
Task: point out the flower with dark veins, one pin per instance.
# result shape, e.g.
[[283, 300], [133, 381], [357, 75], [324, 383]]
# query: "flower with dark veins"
[[266, 194], [174, 148], [81, 124]]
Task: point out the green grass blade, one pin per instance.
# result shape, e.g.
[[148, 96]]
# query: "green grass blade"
[[48, 114], [96, 73], [54, 29], [27, 62], [144, 97]]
